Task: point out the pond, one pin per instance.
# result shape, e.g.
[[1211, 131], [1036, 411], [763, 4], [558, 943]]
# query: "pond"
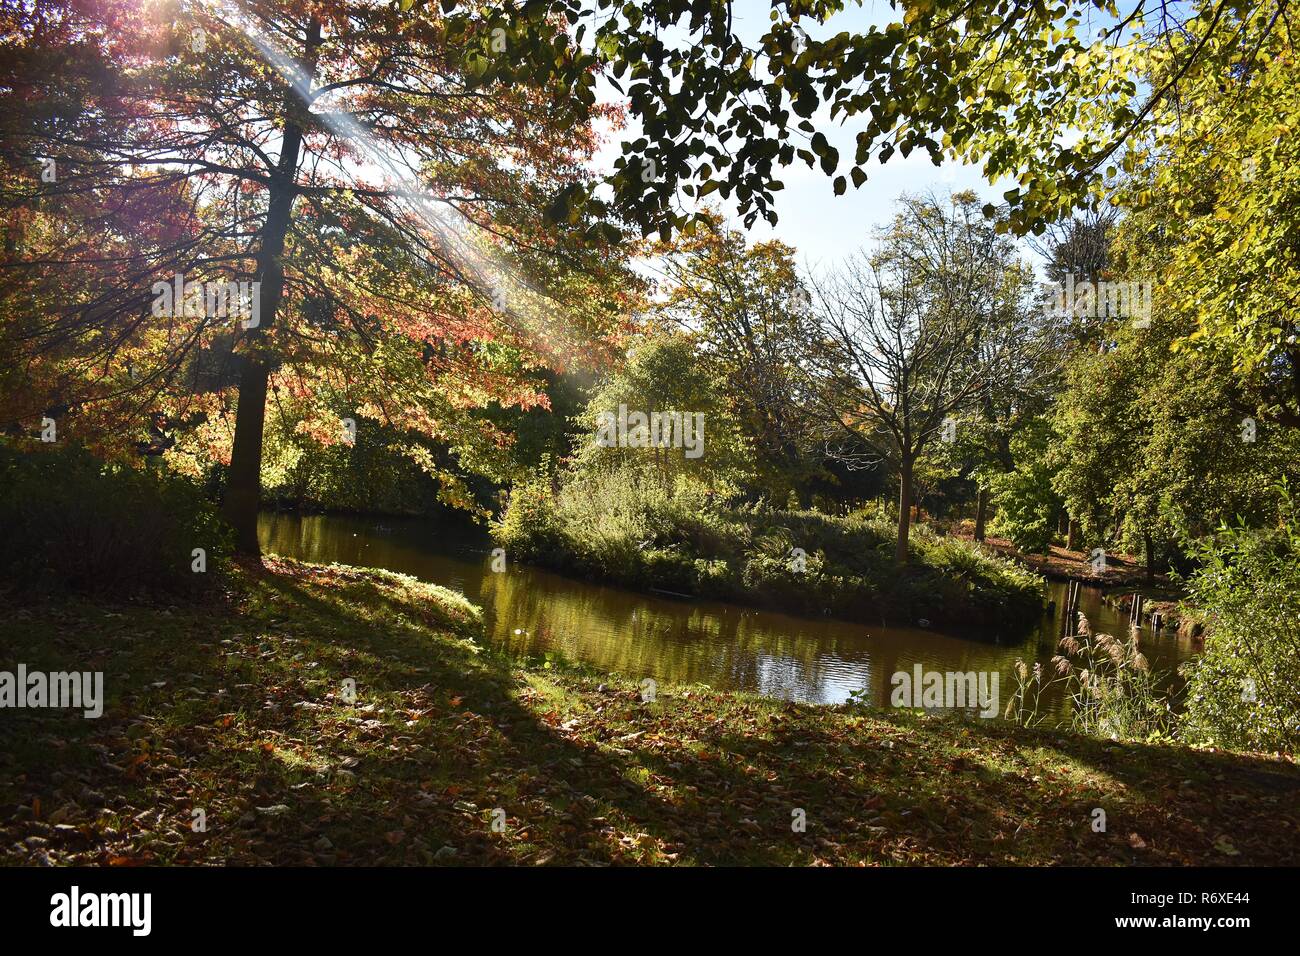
[[728, 647]]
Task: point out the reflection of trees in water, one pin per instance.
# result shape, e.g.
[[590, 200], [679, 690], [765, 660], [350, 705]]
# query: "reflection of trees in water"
[[716, 644], [404, 545], [638, 635], [317, 538]]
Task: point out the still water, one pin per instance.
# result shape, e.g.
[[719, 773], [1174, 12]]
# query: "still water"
[[728, 647]]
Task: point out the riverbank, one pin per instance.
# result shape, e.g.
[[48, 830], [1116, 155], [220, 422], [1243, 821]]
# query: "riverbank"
[[1063, 564], [239, 709], [1124, 579], [799, 562]]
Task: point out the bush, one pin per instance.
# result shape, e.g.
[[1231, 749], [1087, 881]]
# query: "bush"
[[529, 530], [75, 523], [1244, 690], [623, 525]]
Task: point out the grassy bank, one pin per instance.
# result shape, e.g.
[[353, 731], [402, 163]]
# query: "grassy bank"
[[620, 528], [238, 708]]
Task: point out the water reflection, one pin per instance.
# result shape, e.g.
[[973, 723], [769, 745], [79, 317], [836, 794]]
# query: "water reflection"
[[531, 611]]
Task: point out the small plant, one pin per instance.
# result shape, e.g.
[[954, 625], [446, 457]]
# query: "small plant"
[[1107, 681], [862, 697], [1026, 704], [1111, 689]]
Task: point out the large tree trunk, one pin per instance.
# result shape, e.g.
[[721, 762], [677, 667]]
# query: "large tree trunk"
[[981, 513], [244, 487], [904, 510], [1151, 558], [1072, 534]]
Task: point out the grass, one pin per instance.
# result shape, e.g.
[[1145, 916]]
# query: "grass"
[[237, 707], [623, 527]]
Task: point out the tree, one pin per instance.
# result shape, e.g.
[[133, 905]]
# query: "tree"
[[911, 336], [1175, 425], [343, 156], [1078, 246], [1077, 250], [1215, 204], [1019, 383], [1026, 503], [663, 412], [1158, 447], [1028, 91], [748, 309]]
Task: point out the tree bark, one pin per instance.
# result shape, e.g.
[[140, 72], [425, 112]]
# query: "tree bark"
[[244, 486], [1151, 558], [1072, 534], [904, 510], [981, 513]]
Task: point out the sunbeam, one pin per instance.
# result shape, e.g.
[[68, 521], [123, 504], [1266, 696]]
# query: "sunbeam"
[[496, 281]]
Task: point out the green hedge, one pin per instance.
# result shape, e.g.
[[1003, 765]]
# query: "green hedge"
[[75, 523]]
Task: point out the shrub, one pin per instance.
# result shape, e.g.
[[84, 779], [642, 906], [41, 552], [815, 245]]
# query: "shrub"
[[1244, 690], [624, 525], [1025, 506], [73, 522], [529, 530]]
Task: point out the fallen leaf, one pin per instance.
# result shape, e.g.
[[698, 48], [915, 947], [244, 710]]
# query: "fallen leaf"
[[1224, 846]]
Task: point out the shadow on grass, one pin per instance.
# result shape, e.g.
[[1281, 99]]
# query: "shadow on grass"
[[252, 727]]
